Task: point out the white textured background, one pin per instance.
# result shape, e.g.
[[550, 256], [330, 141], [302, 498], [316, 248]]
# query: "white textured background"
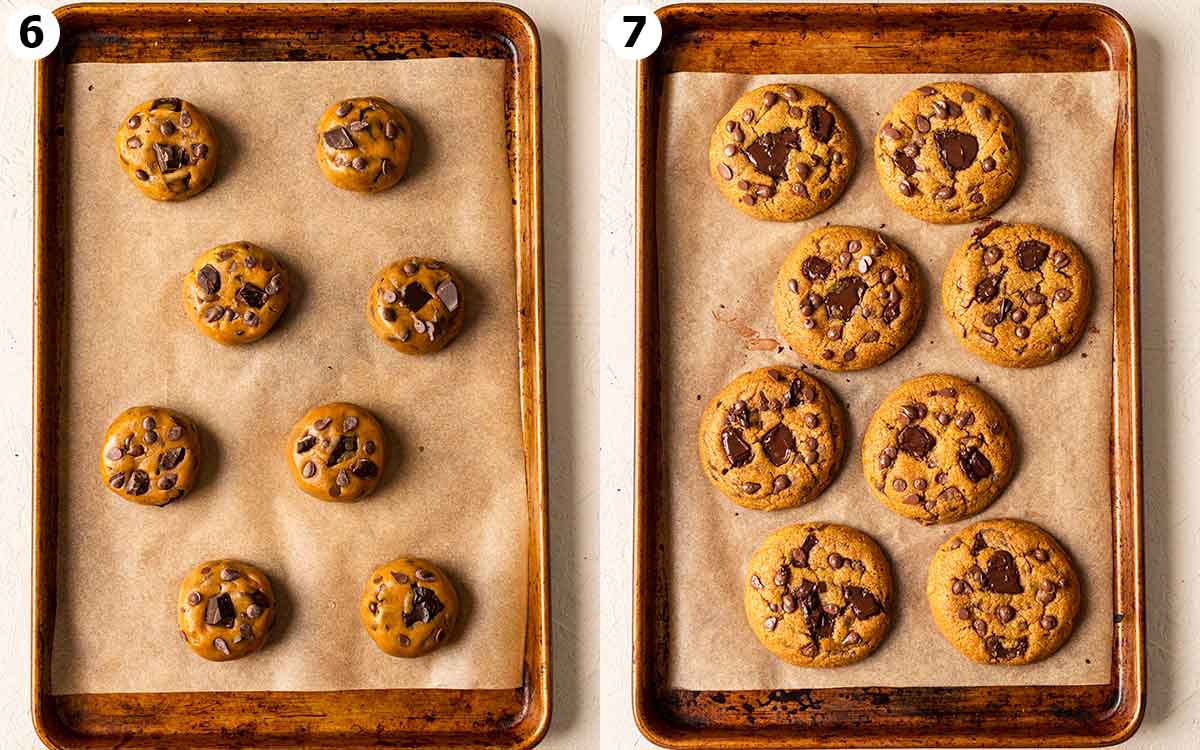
[[589, 179]]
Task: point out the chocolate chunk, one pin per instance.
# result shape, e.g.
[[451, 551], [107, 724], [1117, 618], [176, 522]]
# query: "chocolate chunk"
[[414, 297], [171, 458], [769, 152], [737, 450], [306, 443], [1002, 576], [172, 103], [863, 602], [905, 163], [139, 483], [779, 444], [200, 150], [251, 296], [117, 481], [891, 311], [820, 624], [169, 158], [347, 446], [185, 119], [338, 138], [213, 314], [447, 292], [815, 267], [350, 423], [274, 285], [820, 123], [208, 279], [400, 578], [998, 651], [956, 149], [220, 611], [359, 125], [364, 468], [425, 606], [987, 289], [974, 464], [916, 441], [844, 297]]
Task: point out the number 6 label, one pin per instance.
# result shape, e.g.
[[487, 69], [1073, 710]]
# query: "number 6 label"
[[633, 33], [31, 33]]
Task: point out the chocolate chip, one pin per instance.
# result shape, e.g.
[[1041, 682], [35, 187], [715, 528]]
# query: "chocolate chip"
[[166, 127], [114, 453], [133, 122], [835, 560], [141, 174], [166, 482], [781, 483], [230, 574], [756, 582], [133, 142], [984, 111], [220, 645], [137, 450], [254, 611], [980, 627], [891, 132], [194, 598], [1041, 555], [344, 108], [358, 126], [905, 187], [308, 470], [988, 164], [959, 586], [1062, 295], [359, 163], [350, 423], [1060, 260], [342, 479], [306, 443], [364, 468], [1005, 613], [751, 487], [150, 437], [770, 623], [1049, 622], [208, 279], [338, 138]]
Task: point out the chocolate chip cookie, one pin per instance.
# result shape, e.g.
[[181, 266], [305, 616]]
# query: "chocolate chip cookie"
[[168, 148], [772, 438], [783, 152], [337, 452], [1017, 294], [1003, 591], [363, 144], [819, 594], [416, 305], [236, 292], [150, 455], [948, 153], [847, 298], [409, 607], [226, 609], [938, 449]]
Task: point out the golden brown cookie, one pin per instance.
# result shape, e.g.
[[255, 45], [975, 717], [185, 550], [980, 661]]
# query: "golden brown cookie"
[[846, 298], [150, 455], [416, 305], [819, 594], [948, 153], [363, 144], [1003, 591], [409, 607], [226, 609], [337, 452], [772, 438], [168, 148], [236, 292], [783, 152], [1017, 294], [938, 449]]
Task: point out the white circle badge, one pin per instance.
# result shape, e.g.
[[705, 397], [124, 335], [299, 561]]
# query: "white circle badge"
[[633, 32], [31, 32]]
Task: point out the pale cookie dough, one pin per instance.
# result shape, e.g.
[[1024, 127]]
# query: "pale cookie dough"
[[236, 292], [409, 607], [226, 609], [363, 144], [1003, 592], [819, 594], [416, 305], [1017, 294], [846, 298], [772, 438], [337, 452], [938, 449], [168, 148], [150, 455], [783, 152], [948, 153]]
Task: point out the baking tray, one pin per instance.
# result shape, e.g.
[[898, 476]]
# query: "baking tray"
[[809, 38], [146, 32]]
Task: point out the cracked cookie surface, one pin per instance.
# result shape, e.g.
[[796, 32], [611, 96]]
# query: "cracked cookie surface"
[[416, 305], [364, 144], [409, 607], [337, 452], [168, 148], [236, 292], [150, 455], [819, 594], [772, 438], [847, 298], [1017, 294], [938, 449], [226, 609], [783, 152], [1003, 592], [948, 153]]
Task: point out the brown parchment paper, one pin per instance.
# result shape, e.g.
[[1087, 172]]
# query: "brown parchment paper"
[[717, 262], [454, 490]]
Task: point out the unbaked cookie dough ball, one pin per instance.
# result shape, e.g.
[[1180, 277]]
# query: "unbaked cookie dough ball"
[[409, 607], [168, 148], [416, 305], [363, 144], [337, 452], [226, 609], [150, 455], [236, 292]]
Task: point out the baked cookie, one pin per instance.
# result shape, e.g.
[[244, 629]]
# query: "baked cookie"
[[337, 452], [150, 455], [416, 305], [846, 298], [948, 153], [235, 292], [783, 152], [226, 609], [1017, 294], [1003, 591], [819, 594], [772, 438], [168, 148], [363, 144], [409, 607], [938, 449]]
